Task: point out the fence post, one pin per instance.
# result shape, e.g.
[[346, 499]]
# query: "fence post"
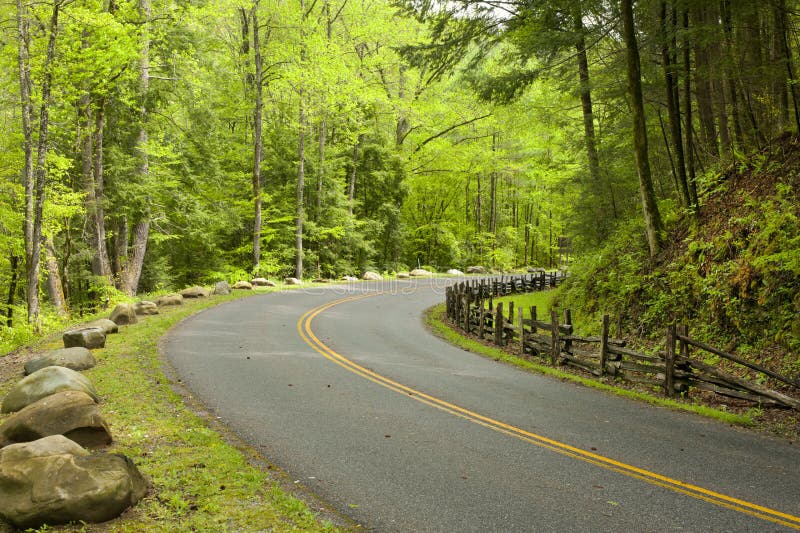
[[533, 319], [604, 345], [568, 322], [669, 362], [521, 332], [619, 325], [498, 325], [683, 330], [480, 320], [555, 343], [511, 312], [468, 302]]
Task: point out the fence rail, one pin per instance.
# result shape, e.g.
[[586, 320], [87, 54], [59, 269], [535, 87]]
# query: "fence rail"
[[677, 369]]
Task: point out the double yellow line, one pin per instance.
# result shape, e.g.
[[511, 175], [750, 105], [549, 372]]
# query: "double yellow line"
[[758, 511]]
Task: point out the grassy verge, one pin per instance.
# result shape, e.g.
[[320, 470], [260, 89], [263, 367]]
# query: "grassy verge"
[[434, 318], [200, 480]]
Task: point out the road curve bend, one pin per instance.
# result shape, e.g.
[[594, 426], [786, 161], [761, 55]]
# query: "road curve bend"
[[344, 389]]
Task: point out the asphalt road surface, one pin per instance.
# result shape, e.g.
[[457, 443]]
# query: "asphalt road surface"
[[345, 390]]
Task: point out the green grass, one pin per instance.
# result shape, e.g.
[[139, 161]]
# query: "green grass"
[[541, 299], [200, 480], [434, 318]]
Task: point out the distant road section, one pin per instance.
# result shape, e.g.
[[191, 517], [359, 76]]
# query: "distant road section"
[[344, 389]]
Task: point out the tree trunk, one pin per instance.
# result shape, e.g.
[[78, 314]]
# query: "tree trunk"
[[23, 60], [258, 143], [103, 264], [673, 103], [129, 278], [301, 155], [12, 290], [323, 134], [40, 171], [478, 214], [131, 275], [688, 120], [652, 217], [352, 185], [705, 108], [55, 290], [589, 136]]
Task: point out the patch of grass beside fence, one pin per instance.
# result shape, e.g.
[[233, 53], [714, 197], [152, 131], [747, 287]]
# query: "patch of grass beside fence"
[[435, 320]]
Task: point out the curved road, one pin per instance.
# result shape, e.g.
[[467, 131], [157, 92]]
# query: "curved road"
[[346, 391]]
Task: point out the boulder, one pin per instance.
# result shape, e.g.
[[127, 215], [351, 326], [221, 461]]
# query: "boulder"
[[371, 276], [123, 314], [455, 272], [349, 278], [195, 292], [536, 270], [292, 281], [477, 269], [75, 358], [245, 285], [403, 275], [73, 414], [44, 382], [55, 481], [90, 338], [145, 308], [169, 299], [320, 280], [222, 288], [419, 272], [108, 326]]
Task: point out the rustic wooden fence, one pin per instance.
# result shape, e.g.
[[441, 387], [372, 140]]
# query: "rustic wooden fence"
[[681, 366]]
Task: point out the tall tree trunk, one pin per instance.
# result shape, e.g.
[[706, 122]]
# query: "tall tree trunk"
[[705, 108], [258, 142], [129, 279], [782, 29], [673, 103], [589, 136], [101, 258], [40, 171], [730, 83], [55, 290], [12, 290], [688, 120], [323, 135], [351, 193], [23, 60], [478, 213], [402, 120], [652, 217], [301, 154]]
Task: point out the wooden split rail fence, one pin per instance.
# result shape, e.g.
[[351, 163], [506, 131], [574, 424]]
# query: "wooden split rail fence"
[[678, 368]]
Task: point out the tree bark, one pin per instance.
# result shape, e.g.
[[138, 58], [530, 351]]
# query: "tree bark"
[[55, 290], [705, 108], [652, 217], [258, 142], [23, 62], [129, 278], [40, 171], [351, 194], [301, 154], [12, 290], [673, 103], [688, 120], [590, 139]]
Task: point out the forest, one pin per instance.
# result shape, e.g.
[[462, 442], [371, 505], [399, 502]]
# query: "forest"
[[151, 144]]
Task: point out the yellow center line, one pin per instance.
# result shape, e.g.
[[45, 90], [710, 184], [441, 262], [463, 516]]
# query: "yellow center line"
[[722, 500]]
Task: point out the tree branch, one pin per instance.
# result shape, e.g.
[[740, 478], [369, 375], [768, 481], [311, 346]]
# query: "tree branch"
[[448, 130]]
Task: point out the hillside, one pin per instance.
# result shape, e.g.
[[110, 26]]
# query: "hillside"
[[731, 273]]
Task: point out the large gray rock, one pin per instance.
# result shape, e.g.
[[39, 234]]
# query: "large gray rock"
[[73, 414], [292, 281], [90, 338], [55, 481], [403, 275], [76, 358], [44, 382], [371, 276], [222, 288], [262, 282], [123, 314], [195, 292], [455, 272], [420, 272], [108, 326], [169, 299], [145, 308], [243, 285], [477, 269], [349, 278]]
